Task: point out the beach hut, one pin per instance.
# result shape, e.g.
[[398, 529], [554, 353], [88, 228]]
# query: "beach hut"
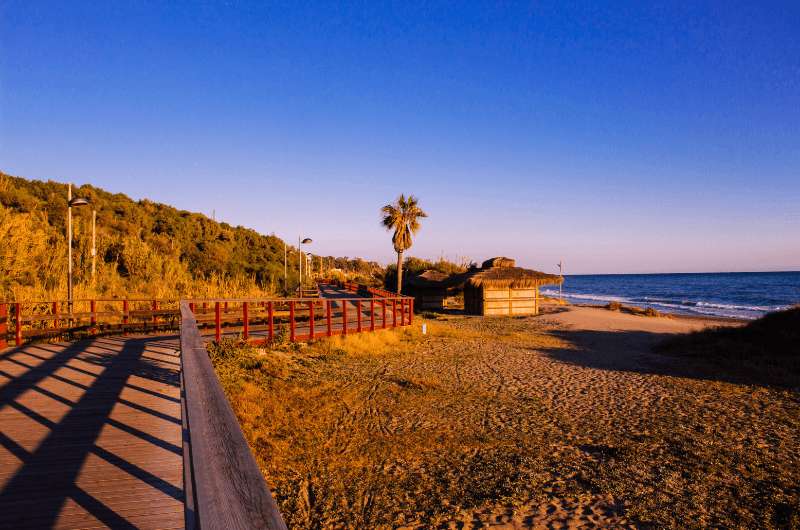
[[428, 289], [499, 287]]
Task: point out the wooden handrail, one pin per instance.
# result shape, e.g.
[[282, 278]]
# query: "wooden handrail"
[[227, 488]]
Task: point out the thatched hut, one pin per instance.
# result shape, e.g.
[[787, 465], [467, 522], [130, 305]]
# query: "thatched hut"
[[499, 287], [428, 289]]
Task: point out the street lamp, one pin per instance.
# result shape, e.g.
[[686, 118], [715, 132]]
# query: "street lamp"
[[76, 202], [304, 241]]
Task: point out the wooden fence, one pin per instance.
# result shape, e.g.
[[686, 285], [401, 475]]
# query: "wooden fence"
[[364, 289], [27, 321], [255, 320]]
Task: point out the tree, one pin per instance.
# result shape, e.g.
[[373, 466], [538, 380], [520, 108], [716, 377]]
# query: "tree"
[[403, 217]]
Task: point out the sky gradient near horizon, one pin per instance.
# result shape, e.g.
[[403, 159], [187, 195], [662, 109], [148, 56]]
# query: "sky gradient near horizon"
[[620, 137]]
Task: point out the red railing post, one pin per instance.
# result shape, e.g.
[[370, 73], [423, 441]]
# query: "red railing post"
[[328, 317], [226, 307], [410, 310], [394, 312], [246, 321], [3, 326], [191, 307], [217, 323], [18, 327], [383, 309], [124, 317], [155, 308], [93, 310], [344, 317], [402, 309], [311, 320], [358, 316], [371, 314], [55, 315], [271, 324], [291, 321]]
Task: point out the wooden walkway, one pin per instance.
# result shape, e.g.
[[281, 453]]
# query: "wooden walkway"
[[90, 434], [91, 431]]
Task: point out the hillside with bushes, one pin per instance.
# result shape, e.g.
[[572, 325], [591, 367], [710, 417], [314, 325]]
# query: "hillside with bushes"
[[143, 248]]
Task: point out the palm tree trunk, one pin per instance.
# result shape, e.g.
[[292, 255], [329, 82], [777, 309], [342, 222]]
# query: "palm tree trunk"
[[399, 272]]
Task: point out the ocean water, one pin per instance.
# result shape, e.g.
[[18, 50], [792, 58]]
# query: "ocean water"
[[730, 294]]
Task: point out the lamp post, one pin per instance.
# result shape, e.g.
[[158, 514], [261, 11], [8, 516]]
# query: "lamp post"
[[76, 202], [94, 244], [300, 242]]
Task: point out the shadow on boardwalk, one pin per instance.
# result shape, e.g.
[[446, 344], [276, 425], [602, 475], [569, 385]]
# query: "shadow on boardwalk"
[[90, 434]]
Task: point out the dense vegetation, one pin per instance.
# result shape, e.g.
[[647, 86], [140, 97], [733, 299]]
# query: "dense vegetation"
[[413, 266], [143, 248]]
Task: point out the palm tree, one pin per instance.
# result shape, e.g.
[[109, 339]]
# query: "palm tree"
[[403, 217]]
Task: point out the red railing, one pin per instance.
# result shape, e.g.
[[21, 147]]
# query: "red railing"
[[300, 319], [255, 320], [24, 321], [363, 289]]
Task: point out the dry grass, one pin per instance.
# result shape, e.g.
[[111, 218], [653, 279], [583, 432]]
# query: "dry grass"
[[473, 425]]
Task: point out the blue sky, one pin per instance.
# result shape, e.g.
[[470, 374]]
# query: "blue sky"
[[621, 137]]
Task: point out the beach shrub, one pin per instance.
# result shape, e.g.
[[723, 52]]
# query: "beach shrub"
[[632, 310], [651, 312]]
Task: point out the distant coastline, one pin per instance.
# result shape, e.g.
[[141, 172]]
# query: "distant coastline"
[[739, 295]]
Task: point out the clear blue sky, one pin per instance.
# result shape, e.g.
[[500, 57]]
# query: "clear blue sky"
[[620, 137]]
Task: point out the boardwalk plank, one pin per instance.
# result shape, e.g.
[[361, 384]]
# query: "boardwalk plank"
[[91, 435]]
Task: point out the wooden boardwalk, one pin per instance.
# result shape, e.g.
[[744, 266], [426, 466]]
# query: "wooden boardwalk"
[[90, 434]]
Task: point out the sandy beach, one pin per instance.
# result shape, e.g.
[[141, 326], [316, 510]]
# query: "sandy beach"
[[563, 420]]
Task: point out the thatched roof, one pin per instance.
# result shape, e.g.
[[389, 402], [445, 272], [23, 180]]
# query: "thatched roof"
[[499, 262], [429, 278], [502, 274]]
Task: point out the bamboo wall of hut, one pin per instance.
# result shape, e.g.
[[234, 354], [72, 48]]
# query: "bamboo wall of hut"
[[501, 288]]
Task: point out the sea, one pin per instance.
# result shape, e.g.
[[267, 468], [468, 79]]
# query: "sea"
[[746, 295]]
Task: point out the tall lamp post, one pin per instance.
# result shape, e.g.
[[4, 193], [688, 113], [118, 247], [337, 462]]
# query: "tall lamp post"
[[94, 244], [76, 202], [300, 242]]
